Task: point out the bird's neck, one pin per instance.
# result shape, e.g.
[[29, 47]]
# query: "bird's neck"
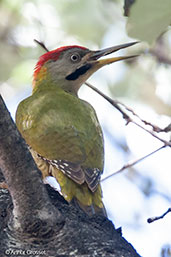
[[43, 81]]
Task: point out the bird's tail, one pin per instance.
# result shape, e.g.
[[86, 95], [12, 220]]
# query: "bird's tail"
[[89, 209], [80, 195]]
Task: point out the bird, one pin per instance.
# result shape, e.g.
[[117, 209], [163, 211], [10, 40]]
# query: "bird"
[[61, 130]]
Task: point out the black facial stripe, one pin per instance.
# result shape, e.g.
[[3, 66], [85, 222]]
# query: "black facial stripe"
[[78, 72]]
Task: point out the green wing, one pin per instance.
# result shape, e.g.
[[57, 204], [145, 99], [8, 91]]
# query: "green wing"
[[60, 126]]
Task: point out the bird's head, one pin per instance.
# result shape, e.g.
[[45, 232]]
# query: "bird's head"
[[69, 67]]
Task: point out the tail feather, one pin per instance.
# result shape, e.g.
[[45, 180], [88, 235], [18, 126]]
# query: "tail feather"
[[80, 195], [89, 209], [101, 211]]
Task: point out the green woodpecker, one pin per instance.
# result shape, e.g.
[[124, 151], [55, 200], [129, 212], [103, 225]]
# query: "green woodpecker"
[[62, 131]]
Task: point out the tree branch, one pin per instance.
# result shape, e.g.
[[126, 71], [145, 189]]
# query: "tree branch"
[[150, 220], [30, 200], [41, 44], [128, 119], [132, 163], [154, 127], [111, 101]]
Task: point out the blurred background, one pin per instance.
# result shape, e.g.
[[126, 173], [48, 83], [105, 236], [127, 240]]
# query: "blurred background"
[[143, 84]]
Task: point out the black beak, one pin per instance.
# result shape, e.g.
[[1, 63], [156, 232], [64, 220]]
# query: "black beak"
[[100, 53]]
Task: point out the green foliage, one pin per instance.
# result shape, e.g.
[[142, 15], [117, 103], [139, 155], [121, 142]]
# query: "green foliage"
[[149, 19], [87, 20]]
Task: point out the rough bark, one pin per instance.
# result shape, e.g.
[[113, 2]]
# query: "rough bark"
[[28, 193], [35, 220]]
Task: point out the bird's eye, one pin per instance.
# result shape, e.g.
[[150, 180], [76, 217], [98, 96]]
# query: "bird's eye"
[[75, 57]]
